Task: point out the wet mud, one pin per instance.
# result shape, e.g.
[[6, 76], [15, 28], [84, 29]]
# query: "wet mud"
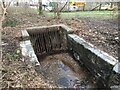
[[65, 72]]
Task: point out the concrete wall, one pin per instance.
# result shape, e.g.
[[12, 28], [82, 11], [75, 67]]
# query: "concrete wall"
[[99, 63]]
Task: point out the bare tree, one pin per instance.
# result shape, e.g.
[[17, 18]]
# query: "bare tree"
[[4, 6], [115, 12], [57, 9], [100, 6], [3, 11]]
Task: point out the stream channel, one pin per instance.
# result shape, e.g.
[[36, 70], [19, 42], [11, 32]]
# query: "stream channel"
[[65, 72]]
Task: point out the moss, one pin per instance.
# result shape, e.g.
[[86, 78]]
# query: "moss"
[[9, 22]]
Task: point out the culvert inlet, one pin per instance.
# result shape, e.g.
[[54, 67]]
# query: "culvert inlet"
[[47, 40], [68, 60]]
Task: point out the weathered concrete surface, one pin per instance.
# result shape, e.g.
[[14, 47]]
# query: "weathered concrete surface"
[[66, 29], [97, 62], [62, 27], [44, 39], [27, 49], [117, 68], [28, 52], [27, 44]]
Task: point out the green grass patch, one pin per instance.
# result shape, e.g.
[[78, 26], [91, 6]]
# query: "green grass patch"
[[99, 14]]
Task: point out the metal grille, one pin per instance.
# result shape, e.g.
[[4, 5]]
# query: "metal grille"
[[46, 41]]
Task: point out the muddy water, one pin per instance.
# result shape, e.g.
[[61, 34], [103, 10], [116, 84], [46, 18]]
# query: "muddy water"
[[64, 71]]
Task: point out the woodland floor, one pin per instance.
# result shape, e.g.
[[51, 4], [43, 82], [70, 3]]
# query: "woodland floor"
[[102, 33]]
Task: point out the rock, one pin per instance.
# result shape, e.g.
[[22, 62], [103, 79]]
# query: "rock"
[[116, 38]]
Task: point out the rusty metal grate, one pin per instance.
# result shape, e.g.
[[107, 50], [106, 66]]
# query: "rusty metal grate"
[[46, 41]]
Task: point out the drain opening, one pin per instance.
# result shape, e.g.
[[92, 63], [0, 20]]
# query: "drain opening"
[[53, 43], [54, 40], [47, 41]]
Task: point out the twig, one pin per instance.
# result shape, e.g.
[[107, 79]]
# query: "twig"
[[3, 75]]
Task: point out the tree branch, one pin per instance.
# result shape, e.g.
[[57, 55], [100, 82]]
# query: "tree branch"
[[63, 7], [9, 3], [4, 8]]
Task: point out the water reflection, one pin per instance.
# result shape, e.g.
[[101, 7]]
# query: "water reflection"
[[64, 71]]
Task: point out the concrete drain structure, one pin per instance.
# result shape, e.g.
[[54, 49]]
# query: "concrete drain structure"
[[47, 40]]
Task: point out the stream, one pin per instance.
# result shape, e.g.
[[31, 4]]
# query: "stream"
[[65, 72]]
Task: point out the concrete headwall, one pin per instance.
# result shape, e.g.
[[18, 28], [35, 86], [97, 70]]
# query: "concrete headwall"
[[103, 66], [99, 63]]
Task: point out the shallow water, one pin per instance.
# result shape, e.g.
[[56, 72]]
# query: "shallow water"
[[64, 71]]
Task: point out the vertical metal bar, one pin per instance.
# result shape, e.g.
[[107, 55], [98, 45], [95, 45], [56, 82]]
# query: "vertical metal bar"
[[40, 45], [47, 41], [50, 39], [56, 40], [53, 39], [33, 42], [43, 42], [50, 45], [45, 45], [38, 37], [36, 43], [59, 39]]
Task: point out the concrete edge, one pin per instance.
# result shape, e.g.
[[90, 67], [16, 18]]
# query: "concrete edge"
[[41, 27], [51, 26], [105, 56], [68, 30], [116, 68], [24, 33], [27, 49]]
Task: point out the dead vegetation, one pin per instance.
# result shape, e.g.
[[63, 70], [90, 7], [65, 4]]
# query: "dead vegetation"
[[101, 33]]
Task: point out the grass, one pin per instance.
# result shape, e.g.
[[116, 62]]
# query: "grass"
[[99, 14], [9, 22]]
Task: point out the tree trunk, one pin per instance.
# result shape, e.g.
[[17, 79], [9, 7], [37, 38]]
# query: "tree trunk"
[[58, 12], [3, 13], [111, 6], [84, 7], [40, 7], [17, 3], [0, 38], [68, 2], [100, 6]]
